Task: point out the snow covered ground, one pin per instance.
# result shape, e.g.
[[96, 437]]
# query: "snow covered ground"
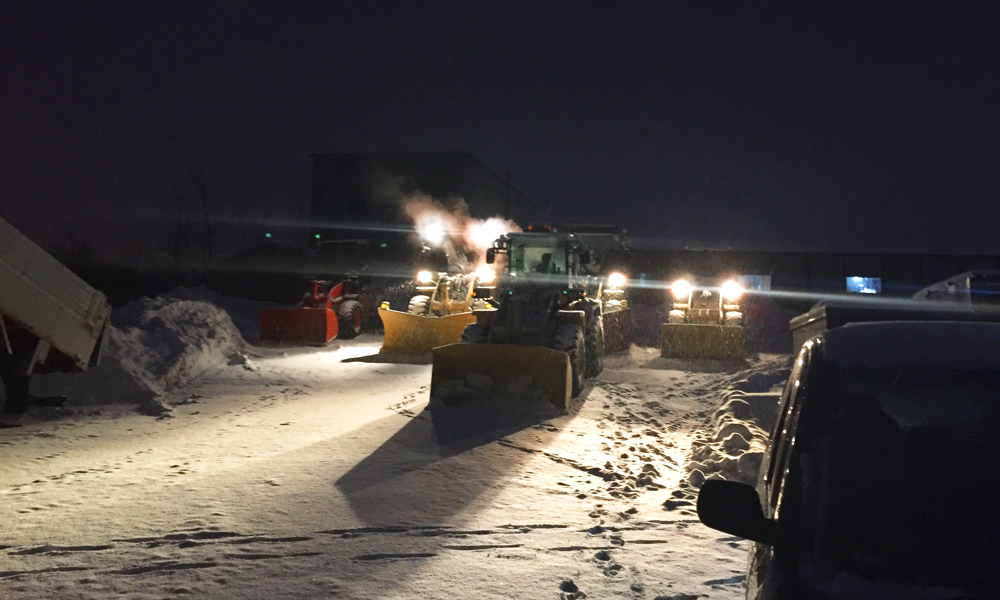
[[293, 474]]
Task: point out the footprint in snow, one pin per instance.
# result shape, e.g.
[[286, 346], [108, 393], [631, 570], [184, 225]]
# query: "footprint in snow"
[[569, 591]]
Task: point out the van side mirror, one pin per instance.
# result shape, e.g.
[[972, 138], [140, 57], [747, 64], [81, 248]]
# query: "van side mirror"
[[734, 508], [491, 256]]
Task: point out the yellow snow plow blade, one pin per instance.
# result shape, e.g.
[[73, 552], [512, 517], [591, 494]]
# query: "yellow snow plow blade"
[[523, 372], [689, 340], [419, 334]]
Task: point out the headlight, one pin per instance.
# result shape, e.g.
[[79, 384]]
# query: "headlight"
[[486, 275], [425, 277], [732, 291], [680, 289], [617, 280], [432, 231]]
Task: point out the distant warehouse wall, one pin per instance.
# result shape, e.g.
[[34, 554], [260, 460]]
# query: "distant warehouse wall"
[[899, 274], [368, 187]]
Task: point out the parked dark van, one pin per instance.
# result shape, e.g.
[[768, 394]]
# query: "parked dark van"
[[881, 479]]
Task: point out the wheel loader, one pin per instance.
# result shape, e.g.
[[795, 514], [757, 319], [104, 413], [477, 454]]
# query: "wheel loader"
[[328, 310], [437, 314], [546, 332], [705, 321]]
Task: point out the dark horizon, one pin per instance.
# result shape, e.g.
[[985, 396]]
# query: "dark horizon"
[[827, 127]]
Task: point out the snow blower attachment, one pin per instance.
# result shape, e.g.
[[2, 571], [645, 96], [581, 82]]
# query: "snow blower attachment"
[[327, 311], [438, 314], [547, 333], [704, 323]]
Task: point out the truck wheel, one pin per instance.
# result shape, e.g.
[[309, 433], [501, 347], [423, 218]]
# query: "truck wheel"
[[475, 334], [570, 339], [594, 340], [13, 393], [349, 319], [418, 305]]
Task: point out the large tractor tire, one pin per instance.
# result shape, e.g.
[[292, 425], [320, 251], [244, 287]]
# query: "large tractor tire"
[[594, 339], [475, 334], [14, 396], [349, 319], [571, 340], [418, 305]]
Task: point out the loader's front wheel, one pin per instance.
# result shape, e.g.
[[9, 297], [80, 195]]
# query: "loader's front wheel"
[[570, 339], [594, 340], [475, 334], [418, 305], [349, 319]]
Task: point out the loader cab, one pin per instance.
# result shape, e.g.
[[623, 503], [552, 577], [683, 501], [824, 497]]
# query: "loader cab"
[[542, 257]]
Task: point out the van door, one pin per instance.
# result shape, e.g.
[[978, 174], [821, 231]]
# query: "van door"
[[774, 468]]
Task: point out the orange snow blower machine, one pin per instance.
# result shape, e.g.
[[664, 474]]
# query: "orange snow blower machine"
[[327, 311]]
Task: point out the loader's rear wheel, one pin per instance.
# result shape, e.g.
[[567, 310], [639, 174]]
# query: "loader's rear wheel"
[[475, 334], [418, 305], [14, 395], [594, 340], [349, 319], [570, 339]]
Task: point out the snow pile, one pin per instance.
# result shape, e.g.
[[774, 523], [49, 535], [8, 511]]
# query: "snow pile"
[[244, 313], [154, 346], [732, 447]]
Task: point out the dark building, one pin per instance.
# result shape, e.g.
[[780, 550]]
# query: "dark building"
[[898, 275], [356, 207], [366, 188]]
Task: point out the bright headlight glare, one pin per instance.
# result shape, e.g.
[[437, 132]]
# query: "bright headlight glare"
[[432, 231], [486, 275], [731, 290], [425, 277], [617, 280], [680, 289]]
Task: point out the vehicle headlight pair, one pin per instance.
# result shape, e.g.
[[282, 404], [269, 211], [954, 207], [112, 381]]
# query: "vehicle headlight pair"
[[731, 290]]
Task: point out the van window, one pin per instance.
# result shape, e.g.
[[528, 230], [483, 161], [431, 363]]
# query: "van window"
[[913, 481]]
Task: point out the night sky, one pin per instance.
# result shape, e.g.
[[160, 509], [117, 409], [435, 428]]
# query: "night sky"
[[792, 126]]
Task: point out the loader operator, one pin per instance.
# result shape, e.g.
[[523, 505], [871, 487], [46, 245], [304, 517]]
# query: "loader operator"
[[543, 267]]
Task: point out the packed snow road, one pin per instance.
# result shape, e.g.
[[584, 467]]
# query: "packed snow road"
[[298, 475]]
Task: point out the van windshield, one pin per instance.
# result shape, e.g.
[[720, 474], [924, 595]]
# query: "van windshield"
[[912, 481]]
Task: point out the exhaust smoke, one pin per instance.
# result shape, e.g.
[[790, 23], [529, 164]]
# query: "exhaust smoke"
[[448, 226]]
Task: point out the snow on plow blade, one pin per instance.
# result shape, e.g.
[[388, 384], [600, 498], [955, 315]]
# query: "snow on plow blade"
[[516, 372], [313, 326], [417, 334], [715, 342]]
